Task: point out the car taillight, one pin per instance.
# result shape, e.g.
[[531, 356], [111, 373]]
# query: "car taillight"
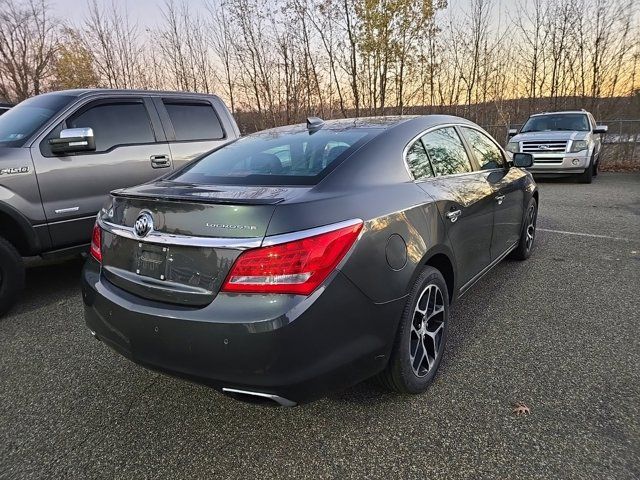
[[96, 243], [296, 267]]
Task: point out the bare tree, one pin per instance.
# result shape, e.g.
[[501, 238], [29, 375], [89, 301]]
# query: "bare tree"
[[28, 46], [115, 43]]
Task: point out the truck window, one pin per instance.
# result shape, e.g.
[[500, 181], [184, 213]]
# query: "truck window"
[[23, 120], [114, 124], [194, 121]]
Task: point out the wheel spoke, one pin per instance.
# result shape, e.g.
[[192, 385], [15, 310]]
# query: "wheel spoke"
[[418, 358], [430, 346], [435, 312]]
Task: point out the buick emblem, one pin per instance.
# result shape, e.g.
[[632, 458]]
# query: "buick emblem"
[[143, 225]]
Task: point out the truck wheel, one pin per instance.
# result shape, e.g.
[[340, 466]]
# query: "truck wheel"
[[596, 166], [421, 336], [587, 176], [11, 275]]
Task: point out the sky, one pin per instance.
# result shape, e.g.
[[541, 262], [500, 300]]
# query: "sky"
[[148, 12]]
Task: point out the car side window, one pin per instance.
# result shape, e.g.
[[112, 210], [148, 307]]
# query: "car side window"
[[446, 152], [418, 161], [487, 153], [194, 121], [115, 124]]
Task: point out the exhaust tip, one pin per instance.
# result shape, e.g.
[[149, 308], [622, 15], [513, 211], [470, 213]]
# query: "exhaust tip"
[[258, 397]]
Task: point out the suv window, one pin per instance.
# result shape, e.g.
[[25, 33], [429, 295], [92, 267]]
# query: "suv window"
[[194, 121], [418, 161], [446, 151], [118, 123], [487, 153]]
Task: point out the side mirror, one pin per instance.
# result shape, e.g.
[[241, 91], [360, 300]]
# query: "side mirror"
[[512, 132], [601, 129], [523, 160], [74, 140]]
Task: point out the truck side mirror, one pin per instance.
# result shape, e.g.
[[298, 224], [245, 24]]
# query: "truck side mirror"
[[523, 160], [512, 132], [74, 140], [601, 129]]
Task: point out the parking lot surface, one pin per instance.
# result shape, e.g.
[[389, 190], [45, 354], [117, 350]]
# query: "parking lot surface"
[[560, 332]]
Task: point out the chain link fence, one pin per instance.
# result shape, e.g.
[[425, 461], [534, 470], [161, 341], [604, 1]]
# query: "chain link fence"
[[621, 144]]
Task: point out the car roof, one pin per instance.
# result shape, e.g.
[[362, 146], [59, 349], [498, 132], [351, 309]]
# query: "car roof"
[[584, 112], [380, 123]]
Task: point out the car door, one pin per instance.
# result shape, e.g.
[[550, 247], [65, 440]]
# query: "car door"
[[131, 148], [463, 198], [193, 127], [507, 185]]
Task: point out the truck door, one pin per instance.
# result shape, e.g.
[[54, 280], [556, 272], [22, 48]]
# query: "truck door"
[[131, 148]]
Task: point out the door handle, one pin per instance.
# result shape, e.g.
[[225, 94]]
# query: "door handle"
[[500, 199], [453, 215], [160, 161]]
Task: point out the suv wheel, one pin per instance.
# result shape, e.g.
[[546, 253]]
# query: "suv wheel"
[[421, 337], [528, 234], [587, 175], [596, 166], [11, 275]]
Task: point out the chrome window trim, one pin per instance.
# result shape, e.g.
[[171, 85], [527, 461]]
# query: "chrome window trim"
[[454, 125], [181, 240], [311, 232]]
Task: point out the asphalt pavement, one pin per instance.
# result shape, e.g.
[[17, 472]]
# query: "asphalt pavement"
[[559, 332]]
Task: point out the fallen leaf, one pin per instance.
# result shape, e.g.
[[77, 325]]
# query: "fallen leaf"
[[521, 409]]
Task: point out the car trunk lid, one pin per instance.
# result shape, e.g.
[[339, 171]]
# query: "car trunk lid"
[[194, 236]]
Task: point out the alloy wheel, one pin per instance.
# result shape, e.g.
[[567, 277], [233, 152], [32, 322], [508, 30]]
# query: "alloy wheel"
[[531, 227], [427, 330]]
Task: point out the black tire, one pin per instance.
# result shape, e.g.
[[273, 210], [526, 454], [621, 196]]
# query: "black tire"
[[587, 175], [11, 275], [596, 167], [400, 375], [525, 245]]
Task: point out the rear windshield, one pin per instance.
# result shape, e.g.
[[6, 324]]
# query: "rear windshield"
[[23, 120], [273, 158], [562, 121]]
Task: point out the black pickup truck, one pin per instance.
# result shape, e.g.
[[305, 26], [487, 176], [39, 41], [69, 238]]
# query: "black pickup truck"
[[61, 154]]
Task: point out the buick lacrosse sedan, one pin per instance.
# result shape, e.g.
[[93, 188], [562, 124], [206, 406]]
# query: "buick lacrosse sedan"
[[305, 259]]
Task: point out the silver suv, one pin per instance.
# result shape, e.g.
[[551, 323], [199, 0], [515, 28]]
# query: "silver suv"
[[561, 143]]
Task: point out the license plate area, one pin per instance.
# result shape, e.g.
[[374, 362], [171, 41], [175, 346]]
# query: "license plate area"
[[152, 261]]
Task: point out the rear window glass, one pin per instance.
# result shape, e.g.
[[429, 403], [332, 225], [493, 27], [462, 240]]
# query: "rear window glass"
[[194, 121], [273, 158]]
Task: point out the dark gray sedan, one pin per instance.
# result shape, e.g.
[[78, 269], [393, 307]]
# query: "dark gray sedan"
[[308, 258]]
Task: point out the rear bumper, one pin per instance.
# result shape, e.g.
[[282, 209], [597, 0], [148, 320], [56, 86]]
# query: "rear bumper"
[[560, 163], [298, 348]]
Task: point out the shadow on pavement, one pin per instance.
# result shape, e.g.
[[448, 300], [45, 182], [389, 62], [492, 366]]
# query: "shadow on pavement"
[[49, 282]]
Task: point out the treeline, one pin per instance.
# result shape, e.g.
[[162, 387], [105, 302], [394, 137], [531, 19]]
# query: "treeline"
[[278, 61]]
